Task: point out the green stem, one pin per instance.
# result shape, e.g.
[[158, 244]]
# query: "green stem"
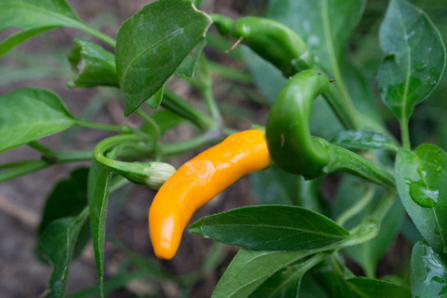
[[102, 126], [358, 206], [405, 134], [72, 156], [349, 162], [179, 106], [39, 147]]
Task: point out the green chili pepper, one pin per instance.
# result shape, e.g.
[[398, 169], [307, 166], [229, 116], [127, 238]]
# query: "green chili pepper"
[[290, 143], [295, 150], [272, 40]]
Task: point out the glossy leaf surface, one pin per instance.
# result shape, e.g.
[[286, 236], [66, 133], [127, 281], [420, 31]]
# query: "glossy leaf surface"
[[152, 44], [428, 272], [324, 25], [415, 58], [68, 199], [422, 184], [362, 139], [57, 244], [98, 197], [30, 113], [270, 227]]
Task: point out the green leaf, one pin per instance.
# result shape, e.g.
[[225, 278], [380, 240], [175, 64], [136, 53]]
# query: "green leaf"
[[35, 17], [30, 113], [421, 180], [152, 44], [249, 269], [415, 58], [98, 197], [428, 272], [57, 244], [362, 139], [68, 198], [92, 65], [188, 65], [324, 25], [270, 227]]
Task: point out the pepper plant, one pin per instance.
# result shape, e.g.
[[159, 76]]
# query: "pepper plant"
[[293, 244]]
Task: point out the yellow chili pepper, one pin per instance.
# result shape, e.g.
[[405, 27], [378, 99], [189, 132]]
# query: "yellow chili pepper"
[[198, 181]]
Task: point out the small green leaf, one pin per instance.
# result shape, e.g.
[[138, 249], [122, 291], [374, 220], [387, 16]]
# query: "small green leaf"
[[57, 244], [98, 197], [188, 65], [30, 113], [428, 272], [270, 227], [35, 17], [68, 198], [415, 58], [421, 181], [152, 44], [249, 269], [92, 65], [362, 139]]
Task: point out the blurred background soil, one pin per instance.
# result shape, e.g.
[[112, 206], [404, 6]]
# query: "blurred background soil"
[[43, 62]]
